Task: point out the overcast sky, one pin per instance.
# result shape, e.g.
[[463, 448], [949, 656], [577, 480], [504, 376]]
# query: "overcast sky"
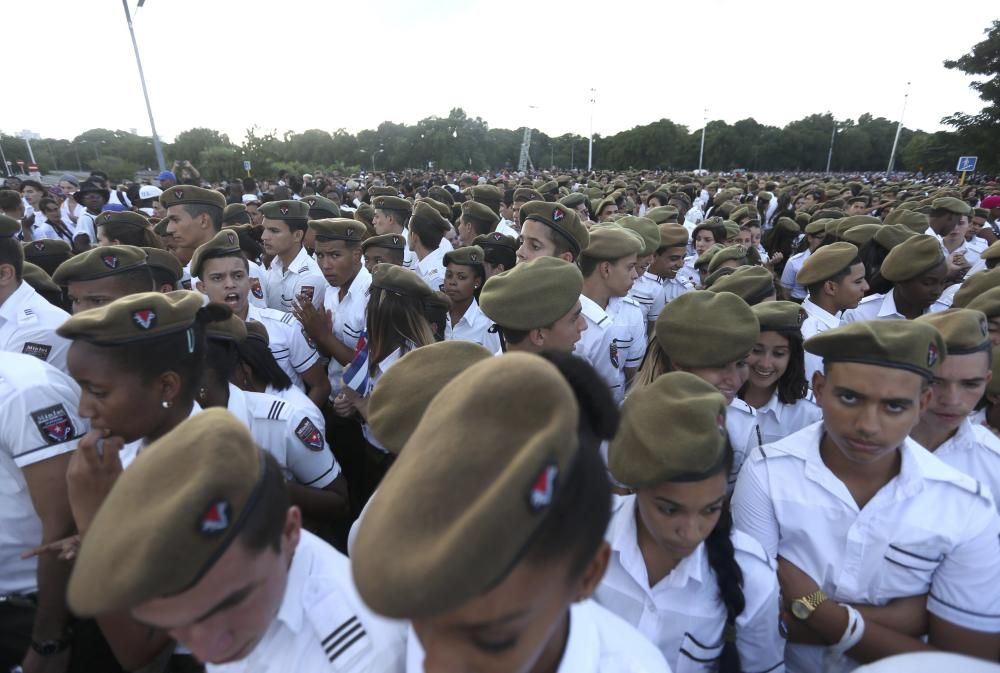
[[298, 64]]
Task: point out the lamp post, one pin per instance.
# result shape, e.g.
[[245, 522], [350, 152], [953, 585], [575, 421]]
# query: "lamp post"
[[899, 128], [829, 155], [145, 93], [701, 152], [590, 145]]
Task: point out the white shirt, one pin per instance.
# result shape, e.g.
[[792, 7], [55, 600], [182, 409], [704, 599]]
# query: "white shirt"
[[875, 307], [647, 291], [286, 432], [675, 287], [431, 268], [322, 625], [28, 325], [258, 281], [599, 642], [86, 225], [597, 346], [744, 434], [630, 331], [975, 451], [506, 227], [818, 320], [287, 341], [301, 277], [349, 316], [683, 614], [931, 529], [791, 270], [67, 216], [473, 326], [38, 421], [409, 257], [687, 273], [777, 420], [380, 369], [295, 397]]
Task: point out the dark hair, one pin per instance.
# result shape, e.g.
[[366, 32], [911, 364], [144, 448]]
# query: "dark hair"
[[265, 523], [511, 336], [132, 281], [222, 254], [196, 209], [428, 234], [393, 321], [479, 226], [561, 243], [129, 234], [816, 288], [793, 386], [778, 240], [394, 255], [12, 253], [400, 216], [9, 199], [241, 217], [163, 277], [221, 358], [498, 254], [259, 357], [579, 516], [715, 227], [437, 317]]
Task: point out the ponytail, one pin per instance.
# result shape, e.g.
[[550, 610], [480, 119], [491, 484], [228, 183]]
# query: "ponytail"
[[722, 559]]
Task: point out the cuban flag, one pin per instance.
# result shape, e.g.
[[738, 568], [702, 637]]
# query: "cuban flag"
[[356, 375]]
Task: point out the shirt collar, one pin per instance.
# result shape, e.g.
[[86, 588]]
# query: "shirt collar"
[[821, 314], [8, 310], [773, 405], [472, 315], [591, 309], [625, 541], [433, 258], [301, 258], [291, 612], [911, 470], [238, 404], [362, 281], [963, 437], [888, 307]]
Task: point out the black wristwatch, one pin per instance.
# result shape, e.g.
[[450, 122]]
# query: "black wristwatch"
[[50, 648]]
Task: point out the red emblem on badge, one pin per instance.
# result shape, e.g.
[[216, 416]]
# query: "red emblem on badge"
[[543, 490], [310, 435], [558, 214], [216, 519], [144, 318], [110, 261], [932, 355], [614, 354], [307, 291], [720, 420]]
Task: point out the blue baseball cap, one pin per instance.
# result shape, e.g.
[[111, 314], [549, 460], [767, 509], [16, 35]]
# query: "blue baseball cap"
[[166, 175]]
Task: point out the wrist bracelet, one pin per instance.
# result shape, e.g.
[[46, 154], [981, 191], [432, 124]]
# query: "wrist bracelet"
[[854, 632]]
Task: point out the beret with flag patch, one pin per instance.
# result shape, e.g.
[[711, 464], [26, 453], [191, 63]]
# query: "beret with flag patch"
[[321, 207], [135, 317], [388, 241], [469, 255], [189, 194], [338, 229], [100, 262], [226, 243], [480, 212], [562, 220], [289, 211], [391, 203], [898, 344]]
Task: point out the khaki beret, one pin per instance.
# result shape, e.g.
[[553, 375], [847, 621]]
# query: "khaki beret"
[[752, 284], [705, 258], [382, 190], [322, 207], [731, 253], [912, 257], [817, 227], [383, 202], [779, 316], [992, 252], [889, 236], [695, 412], [717, 275], [445, 209], [564, 221], [194, 486], [256, 330], [232, 211], [548, 188], [134, 318], [364, 214], [572, 200], [981, 212], [398, 280], [648, 230], [100, 262], [964, 330], [525, 194], [610, 243], [338, 229], [387, 241], [663, 214], [912, 220], [427, 215], [988, 303], [9, 227], [160, 227], [126, 217], [826, 262], [46, 247], [480, 213], [157, 258], [952, 205], [181, 195], [36, 277], [533, 294], [495, 239], [399, 401], [441, 195], [898, 344], [673, 236], [847, 223], [764, 195], [288, 211], [417, 555], [233, 328], [706, 329], [975, 285], [487, 194], [861, 234], [788, 224], [469, 255], [604, 203], [223, 244]]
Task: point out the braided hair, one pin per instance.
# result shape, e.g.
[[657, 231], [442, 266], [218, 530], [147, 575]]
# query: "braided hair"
[[722, 559]]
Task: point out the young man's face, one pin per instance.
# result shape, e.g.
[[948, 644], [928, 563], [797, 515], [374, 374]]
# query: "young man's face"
[[338, 263], [466, 232], [868, 410], [225, 615], [563, 334], [188, 232], [93, 201], [856, 208], [225, 281], [86, 294], [384, 223], [32, 194], [926, 288], [278, 238], [536, 241], [851, 289], [622, 273], [376, 255], [669, 263], [958, 386]]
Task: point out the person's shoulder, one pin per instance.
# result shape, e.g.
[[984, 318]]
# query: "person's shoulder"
[[750, 553], [872, 299], [985, 438], [938, 473], [741, 408], [622, 649], [267, 407]]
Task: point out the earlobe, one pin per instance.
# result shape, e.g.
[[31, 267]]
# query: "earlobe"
[[568, 256], [293, 529], [818, 383]]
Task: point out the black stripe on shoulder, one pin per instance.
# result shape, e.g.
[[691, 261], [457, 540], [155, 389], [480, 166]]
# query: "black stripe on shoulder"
[[694, 658], [346, 646], [340, 628]]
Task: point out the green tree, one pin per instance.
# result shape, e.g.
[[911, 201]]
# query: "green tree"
[[982, 130]]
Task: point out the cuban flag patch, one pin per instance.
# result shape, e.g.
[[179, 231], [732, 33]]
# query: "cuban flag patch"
[[543, 489], [54, 424], [310, 435]]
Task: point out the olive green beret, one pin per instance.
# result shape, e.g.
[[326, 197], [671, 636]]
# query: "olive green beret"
[[572, 200], [321, 207], [752, 284], [695, 412], [122, 217], [533, 294], [46, 247], [365, 213], [912, 257], [604, 203], [233, 328], [446, 210], [36, 277], [826, 262], [495, 239], [952, 205], [730, 253], [817, 227], [185, 194], [256, 330], [289, 211], [706, 329], [732, 229], [975, 285], [195, 487], [469, 255], [705, 258], [383, 202], [663, 214], [425, 214], [861, 234], [717, 275], [763, 195], [382, 190], [673, 236], [779, 316], [9, 227], [160, 228], [848, 223], [399, 400], [480, 213], [992, 252], [338, 229], [100, 262], [441, 195], [387, 241], [831, 226], [912, 220], [157, 258], [611, 243], [898, 344], [223, 244], [419, 554], [788, 224], [648, 230], [487, 194], [232, 211], [981, 212], [988, 302], [964, 330], [398, 280], [550, 187], [891, 235], [564, 180], [134, 318], [525, 194], [564, 221], [742, 212]]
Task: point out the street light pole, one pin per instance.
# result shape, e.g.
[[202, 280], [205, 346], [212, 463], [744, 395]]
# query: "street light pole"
[[899, 128], [590, 146], [145, 94], [701, 152], [829, 155], [3, 157]]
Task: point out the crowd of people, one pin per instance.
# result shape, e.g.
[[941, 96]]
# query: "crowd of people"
[[538, 423]]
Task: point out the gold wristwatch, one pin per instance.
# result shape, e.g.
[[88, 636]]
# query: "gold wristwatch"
[[803, 607]]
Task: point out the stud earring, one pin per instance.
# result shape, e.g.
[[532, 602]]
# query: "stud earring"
[[165, 404]]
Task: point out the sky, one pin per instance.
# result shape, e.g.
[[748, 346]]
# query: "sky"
[[300, 64]]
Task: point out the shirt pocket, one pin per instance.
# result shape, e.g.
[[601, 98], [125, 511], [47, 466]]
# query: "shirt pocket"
[[696, 657], [908, 569]]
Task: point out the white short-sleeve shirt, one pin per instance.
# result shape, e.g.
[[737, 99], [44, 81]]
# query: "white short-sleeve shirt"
[[744, 434], [473, 326], [875, 307], [349, 316], [791, 271], [302, 277], [777, 420], [431, 268], [287, 341], [647, 291], [630, 330], [818, 320], [975, 451], [28, 325], [597, 346]]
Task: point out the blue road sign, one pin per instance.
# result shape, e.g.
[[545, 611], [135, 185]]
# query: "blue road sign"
[[966, 164]]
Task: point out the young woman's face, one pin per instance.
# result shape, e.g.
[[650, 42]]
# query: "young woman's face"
[[755, 236], [460, 283], [768, 361], [703, 241], [744, 239], [727, 379], [679, 516]]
